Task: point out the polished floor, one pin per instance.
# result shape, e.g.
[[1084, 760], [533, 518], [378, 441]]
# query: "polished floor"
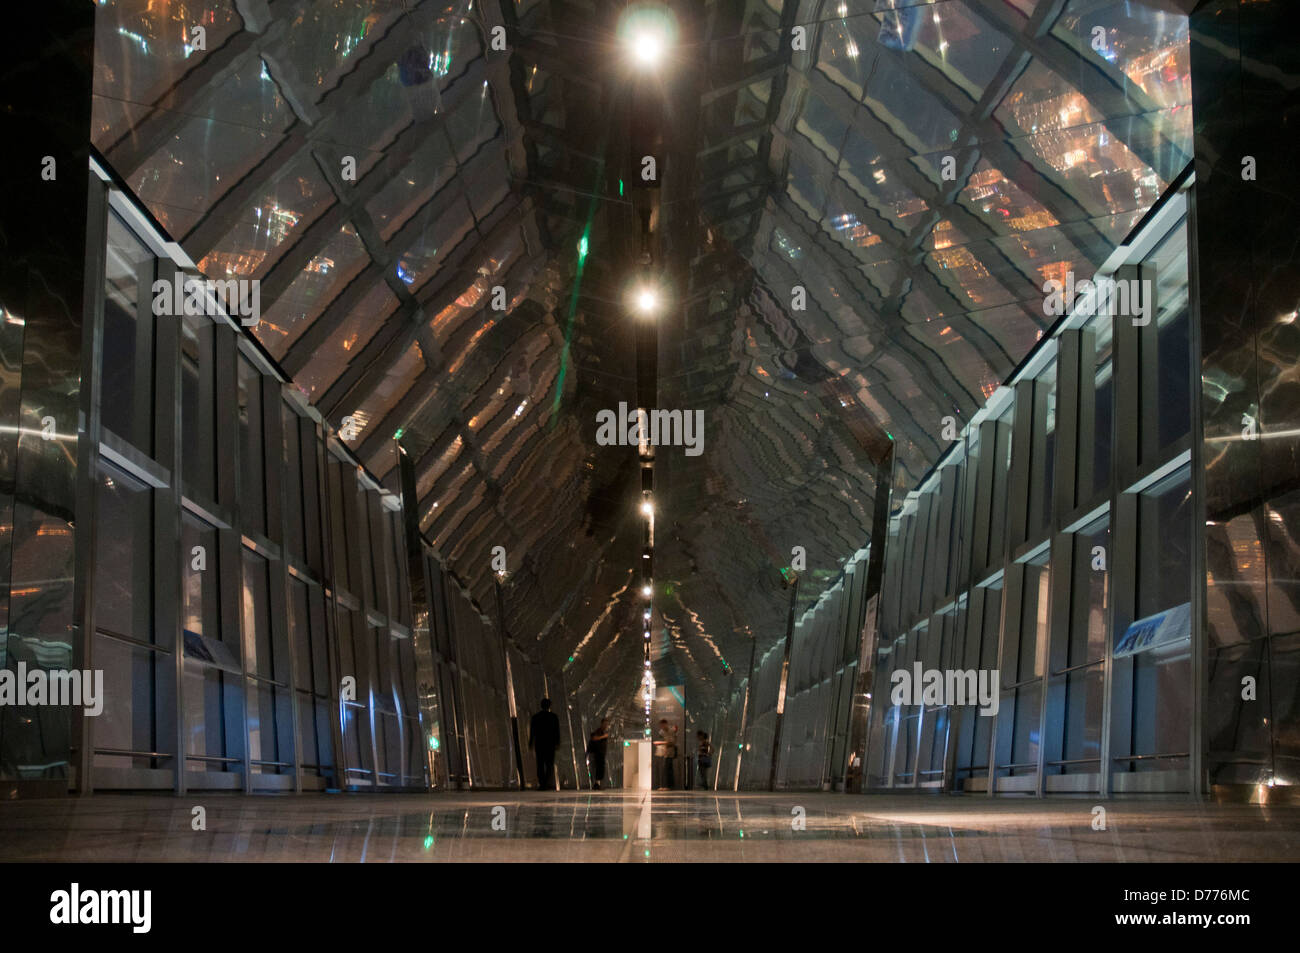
[[619, 826]]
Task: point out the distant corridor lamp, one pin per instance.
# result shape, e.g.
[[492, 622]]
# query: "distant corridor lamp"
[[647, 30], [648, 47], [647, 302]]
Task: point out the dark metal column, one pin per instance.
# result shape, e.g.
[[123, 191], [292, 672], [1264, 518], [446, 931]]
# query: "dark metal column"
[[868, 640], [421, 610], [785, 678], [510, 684], [744, 711]]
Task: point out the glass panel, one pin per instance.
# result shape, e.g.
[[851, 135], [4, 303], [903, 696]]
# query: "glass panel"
[[273, 220], [1001, 481], [1162, 702], [1174, 354], [198, 430], [258, 656], [294, 498], [252, 490], [211, 700], [1090, 598], [1029, 658], [1083, 698], [193, 169], [1165, 534], [268, 717], [1024, 747], [300, 634], [310, 734], [123, 555], [1240, 747], [126, 392], [1043, 471], [323, 277], [200, 558], [143, 49], [1103, 437], [330, 359], [133, 692]]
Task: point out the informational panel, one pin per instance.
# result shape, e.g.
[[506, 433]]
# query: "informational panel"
[[1166, 628]]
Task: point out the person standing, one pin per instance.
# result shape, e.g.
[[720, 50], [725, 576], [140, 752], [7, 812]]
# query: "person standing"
[[703, 757], [666, 750], [544, 738], [596, 753]]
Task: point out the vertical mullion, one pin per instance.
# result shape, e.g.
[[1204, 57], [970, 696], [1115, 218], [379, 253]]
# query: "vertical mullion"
[[168, 621], [325, 512], [1086, 475], [1127, 386], [141, 436], [282, 640], [1013, 592], [981, 534], [365, 545], [1057, 649], [225, 348], [1199, 649], [1066, 492], [1001, 640], [1022, 444], [424, 647], [1148, 363]]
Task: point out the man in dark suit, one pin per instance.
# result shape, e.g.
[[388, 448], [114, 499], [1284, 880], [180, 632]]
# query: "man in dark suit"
[[544, 738]]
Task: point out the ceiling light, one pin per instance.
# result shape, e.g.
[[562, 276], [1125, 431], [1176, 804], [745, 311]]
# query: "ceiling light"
[[646, 590], [647, 302], [648, 46], [648, 32], [647, 508]]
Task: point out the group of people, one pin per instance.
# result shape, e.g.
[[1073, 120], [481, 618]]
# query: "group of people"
[[544, 739], [665, 749]]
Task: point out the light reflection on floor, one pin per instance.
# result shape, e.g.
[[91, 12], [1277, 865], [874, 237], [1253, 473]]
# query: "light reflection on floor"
[[612, 826]]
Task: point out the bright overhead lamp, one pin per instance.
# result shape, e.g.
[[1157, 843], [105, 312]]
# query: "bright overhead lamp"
[[647, 31], [647, 301], [648, 46], [647, 508], [646, 590]]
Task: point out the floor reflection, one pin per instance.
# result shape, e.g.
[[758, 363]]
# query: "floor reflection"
[[638, 827]]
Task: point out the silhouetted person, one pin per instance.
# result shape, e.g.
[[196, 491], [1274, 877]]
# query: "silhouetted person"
[[596, 752], [703, 757], [544, 738]]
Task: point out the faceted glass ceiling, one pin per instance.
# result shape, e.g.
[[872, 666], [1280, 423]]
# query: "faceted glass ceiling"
[[918, 169]]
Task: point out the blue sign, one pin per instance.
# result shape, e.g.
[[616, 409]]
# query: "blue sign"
[[1164, 628]]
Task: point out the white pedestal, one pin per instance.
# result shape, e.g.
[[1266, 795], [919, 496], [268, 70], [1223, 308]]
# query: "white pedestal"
[[636, 765]]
